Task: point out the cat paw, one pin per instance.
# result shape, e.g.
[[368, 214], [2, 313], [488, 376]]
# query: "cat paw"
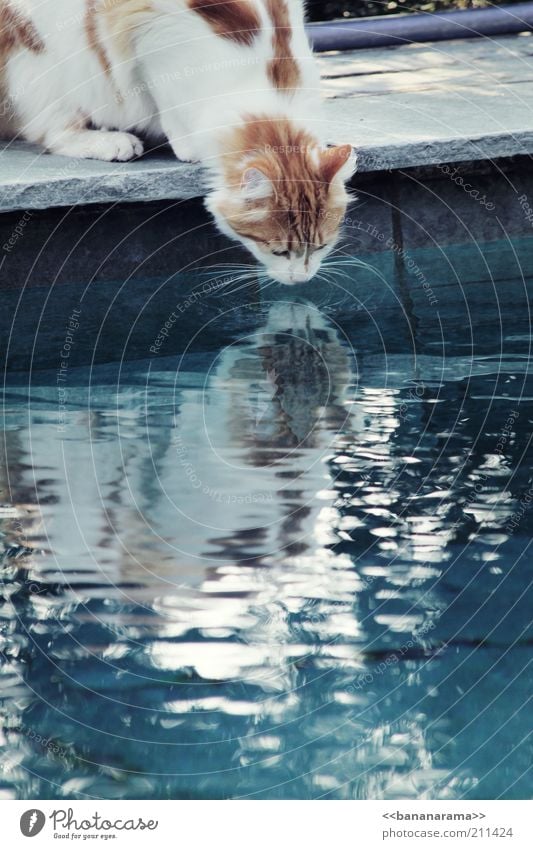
[[98, 144], [183, 152], [115, 147]]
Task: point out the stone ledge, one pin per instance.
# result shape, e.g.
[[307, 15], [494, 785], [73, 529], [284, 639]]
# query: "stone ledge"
[[401, 107], [30, 179]]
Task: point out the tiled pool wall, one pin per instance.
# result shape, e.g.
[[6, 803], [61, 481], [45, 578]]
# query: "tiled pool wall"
[[449, 250]]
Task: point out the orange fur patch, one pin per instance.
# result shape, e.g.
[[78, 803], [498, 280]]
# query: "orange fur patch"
[[283, 69], [122, 19], [17, 31], [91, 28], [306, 205], [233, 19]]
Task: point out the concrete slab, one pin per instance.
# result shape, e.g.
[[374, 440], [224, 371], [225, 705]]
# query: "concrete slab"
[[420, 104]]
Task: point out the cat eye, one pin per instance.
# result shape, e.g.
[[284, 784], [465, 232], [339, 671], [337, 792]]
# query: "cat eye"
[[285, 254]]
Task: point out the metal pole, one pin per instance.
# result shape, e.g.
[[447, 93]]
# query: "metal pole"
[[401, 29]]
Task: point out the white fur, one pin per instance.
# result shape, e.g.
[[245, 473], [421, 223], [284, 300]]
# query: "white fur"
[[182, 82]]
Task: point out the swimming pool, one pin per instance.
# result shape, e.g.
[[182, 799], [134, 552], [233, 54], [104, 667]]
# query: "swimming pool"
[[284, 550]]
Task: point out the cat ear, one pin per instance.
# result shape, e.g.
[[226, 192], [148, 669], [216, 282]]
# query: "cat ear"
[[339, 160], [255, 184]]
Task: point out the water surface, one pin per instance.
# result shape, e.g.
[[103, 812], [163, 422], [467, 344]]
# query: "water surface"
[[294, 564]]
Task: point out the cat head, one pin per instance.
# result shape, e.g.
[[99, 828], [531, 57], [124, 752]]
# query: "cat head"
[[284, 200]]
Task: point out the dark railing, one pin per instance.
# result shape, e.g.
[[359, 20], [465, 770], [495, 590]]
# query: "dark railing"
[[404, 29]]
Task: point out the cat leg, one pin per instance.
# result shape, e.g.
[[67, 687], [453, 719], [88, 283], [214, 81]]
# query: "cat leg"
[[183, 148], [183, 152], [182, 145], [94, 144], [176, 114]]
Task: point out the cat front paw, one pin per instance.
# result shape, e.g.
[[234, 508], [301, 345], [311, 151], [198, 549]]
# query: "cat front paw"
[[97, 144], [117, 147], [184, 152]]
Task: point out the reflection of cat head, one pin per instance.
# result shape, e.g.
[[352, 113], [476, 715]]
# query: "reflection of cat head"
[[282, 197], [289, 389]]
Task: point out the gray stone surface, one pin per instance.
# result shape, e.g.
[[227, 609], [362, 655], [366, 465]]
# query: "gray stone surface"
[[31, 179], [421, 104]]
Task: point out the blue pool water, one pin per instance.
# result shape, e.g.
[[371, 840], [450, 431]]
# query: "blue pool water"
[[291, 563]]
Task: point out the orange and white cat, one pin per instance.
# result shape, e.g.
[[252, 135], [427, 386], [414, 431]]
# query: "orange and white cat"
[[231, 83]]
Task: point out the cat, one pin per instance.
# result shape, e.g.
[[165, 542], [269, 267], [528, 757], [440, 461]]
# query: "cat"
[[230, 83]]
